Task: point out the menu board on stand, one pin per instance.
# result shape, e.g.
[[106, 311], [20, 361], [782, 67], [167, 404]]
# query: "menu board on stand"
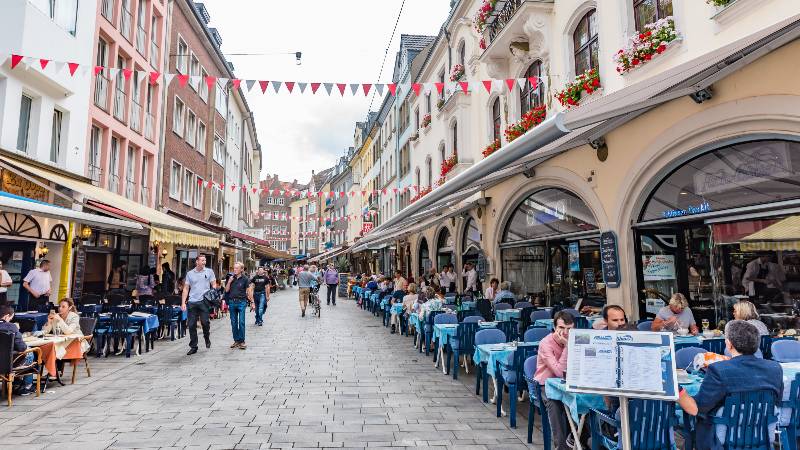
[[609, 259]]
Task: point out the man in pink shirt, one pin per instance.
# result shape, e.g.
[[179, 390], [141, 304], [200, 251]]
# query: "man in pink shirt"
[[552, 363]]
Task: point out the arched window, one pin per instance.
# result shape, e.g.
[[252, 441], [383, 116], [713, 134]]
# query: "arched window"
[[429, 168], [442, 153], [549, 212], [444, 249], [471, 242], [496, 119], [649, 11], [455, 138], [531, 95], [462, 54], [586, 43], [417, 179]]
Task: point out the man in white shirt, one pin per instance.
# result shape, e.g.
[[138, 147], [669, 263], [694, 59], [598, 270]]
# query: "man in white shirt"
[[448, 278], [38, 282], [472, 277], [763, 278]]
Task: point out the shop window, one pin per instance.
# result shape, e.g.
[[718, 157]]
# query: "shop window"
[[549, 212]]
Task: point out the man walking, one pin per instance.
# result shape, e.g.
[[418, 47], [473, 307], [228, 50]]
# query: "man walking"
[[239, 294], [198, 282], [332, 280], [305, 281], [261, 290]]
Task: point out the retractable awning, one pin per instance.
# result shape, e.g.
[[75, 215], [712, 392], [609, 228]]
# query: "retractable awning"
[[22, 205], [781, 235]]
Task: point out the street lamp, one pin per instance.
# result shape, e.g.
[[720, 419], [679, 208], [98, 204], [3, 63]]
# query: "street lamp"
[[86, 232]]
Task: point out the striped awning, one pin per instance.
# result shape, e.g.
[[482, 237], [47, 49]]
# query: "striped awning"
[[781, 235], [182, 238]]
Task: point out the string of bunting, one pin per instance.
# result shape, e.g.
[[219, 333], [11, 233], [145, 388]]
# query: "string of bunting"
[[264, 85], [284, 216], [305, 193]]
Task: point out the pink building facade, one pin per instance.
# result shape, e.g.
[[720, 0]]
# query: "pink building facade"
[[124, 114]]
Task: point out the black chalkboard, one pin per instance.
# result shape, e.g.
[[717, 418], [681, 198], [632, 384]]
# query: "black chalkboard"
[[80, 268], [342, 288], [609, 259]]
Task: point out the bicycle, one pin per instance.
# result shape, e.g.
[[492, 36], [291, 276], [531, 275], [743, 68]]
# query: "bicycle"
[[314, 300]]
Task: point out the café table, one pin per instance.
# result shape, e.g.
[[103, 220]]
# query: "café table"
[[504, 315], [70, 347], [147, 323], [442, 332], [416, 322], [467, 305], [39, 318], [489, 355], [577, 405], [90, 310]]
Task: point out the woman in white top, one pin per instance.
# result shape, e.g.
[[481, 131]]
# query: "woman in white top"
[[746, 311], [66, 321], [491, 291], [5, 282]]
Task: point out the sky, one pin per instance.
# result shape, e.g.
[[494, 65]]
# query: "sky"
[[341, 41]]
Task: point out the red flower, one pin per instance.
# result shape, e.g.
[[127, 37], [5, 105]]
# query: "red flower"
[[661, 48], [648, 57], [635, 61], [596, 82], [642, 36]]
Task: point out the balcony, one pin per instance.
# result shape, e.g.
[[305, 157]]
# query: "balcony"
[[113, 183], [107, 10], [149, 121], [120, 99], [154, 55], [144, 195], [129, 189], [136, 116], [125, 19], [522, 25], [94, 174], [141, 40], [101, 84]]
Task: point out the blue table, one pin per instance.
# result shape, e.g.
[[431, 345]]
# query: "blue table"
[[40, 319], [691, 340], [504, 315], [467, 305], [491, 354], [147, 323], [443, 331]]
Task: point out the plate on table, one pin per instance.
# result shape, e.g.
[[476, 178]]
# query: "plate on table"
[[31, 312], [683, 377]]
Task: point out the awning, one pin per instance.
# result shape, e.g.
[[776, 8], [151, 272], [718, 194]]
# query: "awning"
[[22, 205], [163, 227], [265, 251], [248, 238], [781, 235], [329, 254]]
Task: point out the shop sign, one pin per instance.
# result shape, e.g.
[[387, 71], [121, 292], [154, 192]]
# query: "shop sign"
[[744, 167], [367, 227], [609, 259], [574, 257], [658, 267], [15, 184], [688, 211]]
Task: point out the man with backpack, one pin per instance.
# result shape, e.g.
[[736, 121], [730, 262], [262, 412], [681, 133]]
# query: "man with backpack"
[[332, 280]]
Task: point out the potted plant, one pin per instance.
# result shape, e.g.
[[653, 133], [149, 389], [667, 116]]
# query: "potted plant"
[[491, 148], [447, 165], [482, 15], [457, 73], [644, 46], [426, 121], [530, 119], [588, 82], [440, 103]]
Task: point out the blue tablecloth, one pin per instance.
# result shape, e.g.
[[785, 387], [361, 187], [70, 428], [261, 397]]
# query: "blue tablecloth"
[[148, 323], [548, 323], [504, 315], [578, 404], [39, 318], [184, 314], [442, 331], [93, 309], [465, 305], [492, 353], [414, 320], [397, 308]]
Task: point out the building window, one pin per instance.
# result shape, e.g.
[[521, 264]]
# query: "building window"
[[429, 170], [428, 103], [175, 181], [455, 138], [270, 201], [113, 166], [177, 117], [63, 12], [188, 193], [221, 99], [219, 150], [530, 96], [404, 119], [405, 160], [144, 195], [191, 130], [586, 44], [462, 54], [496, 119], [94, 154], [217, 200], [203, 89], [649, 11], [281, 201], [441, 80], [276, 215], [194, 71], [130, 173], [182, 58], [24, 129], [198, 192], [416, 118], [55, 138], [442, 152], [201, 138], [267, 231]]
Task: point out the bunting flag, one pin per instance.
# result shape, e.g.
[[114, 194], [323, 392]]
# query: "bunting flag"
[[154, 76], [43, 63], [183, 80], [328, 87], [236, 83], [354, 88], [72, 68], [276, 85], [366, 87], [341, 87], [314, 87], [264, 85], [289, 85], [302, 87], [249, 84], [15, 60]]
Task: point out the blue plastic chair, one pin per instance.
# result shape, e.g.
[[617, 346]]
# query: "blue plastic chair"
[[573, 312], [766, 344], [646, 325], [512, 375], [540, 314], [785, 351], [501, 306], [582, 323], [488, 336], [791, 431], [441, 319], [685, 356], [751, 433], [429, 321], [651, 424], [509, 328], [472, 319], [117, 329], [535, 334], [520, 305], [535, 403], [716, 345], [463, 343]]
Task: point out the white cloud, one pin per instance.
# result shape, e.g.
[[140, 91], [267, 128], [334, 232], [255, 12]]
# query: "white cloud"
[[341, 42]]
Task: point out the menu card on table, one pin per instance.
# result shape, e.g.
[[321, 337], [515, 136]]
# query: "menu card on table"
[[622, 363]]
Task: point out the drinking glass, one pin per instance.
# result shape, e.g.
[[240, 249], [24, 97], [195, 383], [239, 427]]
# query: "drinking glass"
[[705, 324]]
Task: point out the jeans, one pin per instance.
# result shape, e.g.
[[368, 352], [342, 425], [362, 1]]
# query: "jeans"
[[559, 427], [197, 310], [331, 294], [27, 380], [261, 306], [237, 310]]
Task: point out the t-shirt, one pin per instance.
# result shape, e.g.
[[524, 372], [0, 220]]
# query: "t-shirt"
[[306, 279], [199, 283], [39, 280], [260, 282], [685, 318], [239, 287]]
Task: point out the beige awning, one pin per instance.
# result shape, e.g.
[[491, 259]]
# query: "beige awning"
[[781, 235], [168, 228]]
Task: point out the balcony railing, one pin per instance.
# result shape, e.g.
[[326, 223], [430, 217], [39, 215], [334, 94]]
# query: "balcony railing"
[[136, 116], [149, 120], [144, 195], [154, 55], [141, 40], [113, 183], [125, 19], [502, 18], [129, 189], [94, 174], [107, 10], [101, 84], [119, 104]]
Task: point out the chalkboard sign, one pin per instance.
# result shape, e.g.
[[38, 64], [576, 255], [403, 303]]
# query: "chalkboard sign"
[[341, 290], [588, 278], [80, 269], [609, 259]]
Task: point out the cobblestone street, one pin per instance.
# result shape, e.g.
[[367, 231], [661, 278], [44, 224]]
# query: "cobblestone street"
[[338, 382]]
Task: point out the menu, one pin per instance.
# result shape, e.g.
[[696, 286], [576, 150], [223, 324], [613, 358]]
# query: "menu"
[[622, 363], [609, 259]]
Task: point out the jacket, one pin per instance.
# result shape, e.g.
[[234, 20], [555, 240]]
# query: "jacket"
[[8, 327]]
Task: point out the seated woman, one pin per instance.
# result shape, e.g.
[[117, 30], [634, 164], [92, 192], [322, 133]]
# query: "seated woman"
[[66, 321], [746, 311], [399, 307]]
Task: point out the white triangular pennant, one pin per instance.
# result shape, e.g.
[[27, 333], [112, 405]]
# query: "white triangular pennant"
[[276, 85], [497, 85], [379, 88], [167, 78], [521, 83], [58, 66], [354, 87], [112, 73], [250, 84], [302, 87], [328, 87]]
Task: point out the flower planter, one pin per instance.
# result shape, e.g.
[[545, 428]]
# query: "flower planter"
[[457, 73], [426, 120], [529, 120], [572, 93], [491, 148], [448, 165], [644, 46], [482, 15]]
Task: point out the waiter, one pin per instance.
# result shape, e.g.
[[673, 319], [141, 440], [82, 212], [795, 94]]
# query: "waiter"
[[763, 278]]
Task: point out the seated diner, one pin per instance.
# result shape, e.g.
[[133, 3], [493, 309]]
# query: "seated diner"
[[676, 316]]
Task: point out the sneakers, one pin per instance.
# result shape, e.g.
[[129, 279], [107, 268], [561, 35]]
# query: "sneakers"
[[235, 345], [303, 313], [208, 343], [27, 390], [191, 351], [242, 346]]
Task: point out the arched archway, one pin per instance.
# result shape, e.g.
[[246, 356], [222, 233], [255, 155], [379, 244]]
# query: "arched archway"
[[444, 248], [424, 257]]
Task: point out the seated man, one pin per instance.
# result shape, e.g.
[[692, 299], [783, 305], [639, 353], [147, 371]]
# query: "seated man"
[[504, 295], [6, 314], [744, 372], [552, 363], [614, 319]]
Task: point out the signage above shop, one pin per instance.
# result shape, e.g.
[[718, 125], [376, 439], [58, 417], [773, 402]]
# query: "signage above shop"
[[609, 259], [688, 211]]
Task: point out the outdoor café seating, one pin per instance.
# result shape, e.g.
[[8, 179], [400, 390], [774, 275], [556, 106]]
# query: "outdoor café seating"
[[12, 366]]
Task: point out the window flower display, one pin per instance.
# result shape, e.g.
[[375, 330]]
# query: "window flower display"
[[457, 73], [588, 82], [530, 119], [643, 47], [482, 15]]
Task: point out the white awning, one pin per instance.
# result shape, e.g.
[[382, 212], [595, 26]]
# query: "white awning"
[[21, 206]]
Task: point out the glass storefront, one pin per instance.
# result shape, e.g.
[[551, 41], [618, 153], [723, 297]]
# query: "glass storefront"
[[685, 245], [444, 249]]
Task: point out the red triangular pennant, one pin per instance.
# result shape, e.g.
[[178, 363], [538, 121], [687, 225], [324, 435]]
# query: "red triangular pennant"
[[72, 68], [183, 79], [464, 86], [44, 62], [154, 77], [534, 81], [416, 87], [392, 88], [127, 73], [366, 87], [439, 87], [314, 87], [488, 85], [97, 70], [210, 81], [236, 83], [510, 83], [15, 59], [264, 85], [341, 87], [289, 85]]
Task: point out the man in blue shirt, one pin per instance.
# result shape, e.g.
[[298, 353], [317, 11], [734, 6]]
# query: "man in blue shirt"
[[742, 373], [197, 282], [307, 279]]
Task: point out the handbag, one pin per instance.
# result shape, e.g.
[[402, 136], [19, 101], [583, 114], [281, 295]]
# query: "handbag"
[[213, 298]]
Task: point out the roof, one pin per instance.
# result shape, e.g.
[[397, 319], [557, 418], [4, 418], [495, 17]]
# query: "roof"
[[321, 177], [411, 44]]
